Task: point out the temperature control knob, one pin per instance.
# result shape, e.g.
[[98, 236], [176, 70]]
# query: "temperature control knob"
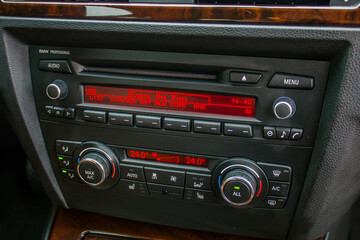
[[94, 168], [57, 90], [240, 182], [284, 108], [238, 187], [97, 165]]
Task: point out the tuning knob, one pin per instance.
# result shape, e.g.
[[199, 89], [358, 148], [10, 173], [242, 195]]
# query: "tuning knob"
[[238, 187], [284, 108], [94, 168], [57, 90]]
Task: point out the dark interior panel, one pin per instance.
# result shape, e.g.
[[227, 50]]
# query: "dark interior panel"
[[192, 59]]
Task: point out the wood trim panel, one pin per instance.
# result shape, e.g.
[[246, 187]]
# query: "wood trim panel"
[[184, 13], [71, 224]]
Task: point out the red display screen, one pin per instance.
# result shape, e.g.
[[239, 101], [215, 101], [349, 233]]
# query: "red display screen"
[[168, 158], [171, 100]]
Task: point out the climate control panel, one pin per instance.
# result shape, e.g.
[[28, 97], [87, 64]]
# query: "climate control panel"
[[237, 182]]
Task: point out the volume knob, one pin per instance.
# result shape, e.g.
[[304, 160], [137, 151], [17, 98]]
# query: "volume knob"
[[57, 90], [284, 108]]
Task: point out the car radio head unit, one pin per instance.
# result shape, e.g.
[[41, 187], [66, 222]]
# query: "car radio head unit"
[[225, 139]]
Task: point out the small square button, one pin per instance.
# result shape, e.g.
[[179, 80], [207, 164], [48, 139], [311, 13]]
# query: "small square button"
[[69, 113], [269, 132], [58, 111], [282, 133]]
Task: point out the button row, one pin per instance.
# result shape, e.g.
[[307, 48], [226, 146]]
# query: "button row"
[[63, 112], [166, 183], [164, 176], [278, 80], [174, 124], [283, 133], [279, 185]]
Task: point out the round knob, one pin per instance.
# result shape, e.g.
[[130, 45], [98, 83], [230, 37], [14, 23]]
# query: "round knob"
[[284, 108], [93, 168], [238, 187], [57, 90]]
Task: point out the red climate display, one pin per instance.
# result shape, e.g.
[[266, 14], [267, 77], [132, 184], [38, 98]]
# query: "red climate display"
[[171, 100], [169, 158]]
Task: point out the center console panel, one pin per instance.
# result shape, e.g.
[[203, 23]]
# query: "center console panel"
[[209, 142]]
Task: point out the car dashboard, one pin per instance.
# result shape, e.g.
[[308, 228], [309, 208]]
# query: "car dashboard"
[[220, 119]]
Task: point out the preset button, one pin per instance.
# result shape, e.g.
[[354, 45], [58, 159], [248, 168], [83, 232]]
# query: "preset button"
[[148, 121], [207, 127]]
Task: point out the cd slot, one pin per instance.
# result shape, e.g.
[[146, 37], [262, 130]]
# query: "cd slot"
[[153, 73], [155, 70]]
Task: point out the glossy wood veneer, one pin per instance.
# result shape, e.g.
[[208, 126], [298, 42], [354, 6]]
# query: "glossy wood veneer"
[[72, 224], [184, 13]]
